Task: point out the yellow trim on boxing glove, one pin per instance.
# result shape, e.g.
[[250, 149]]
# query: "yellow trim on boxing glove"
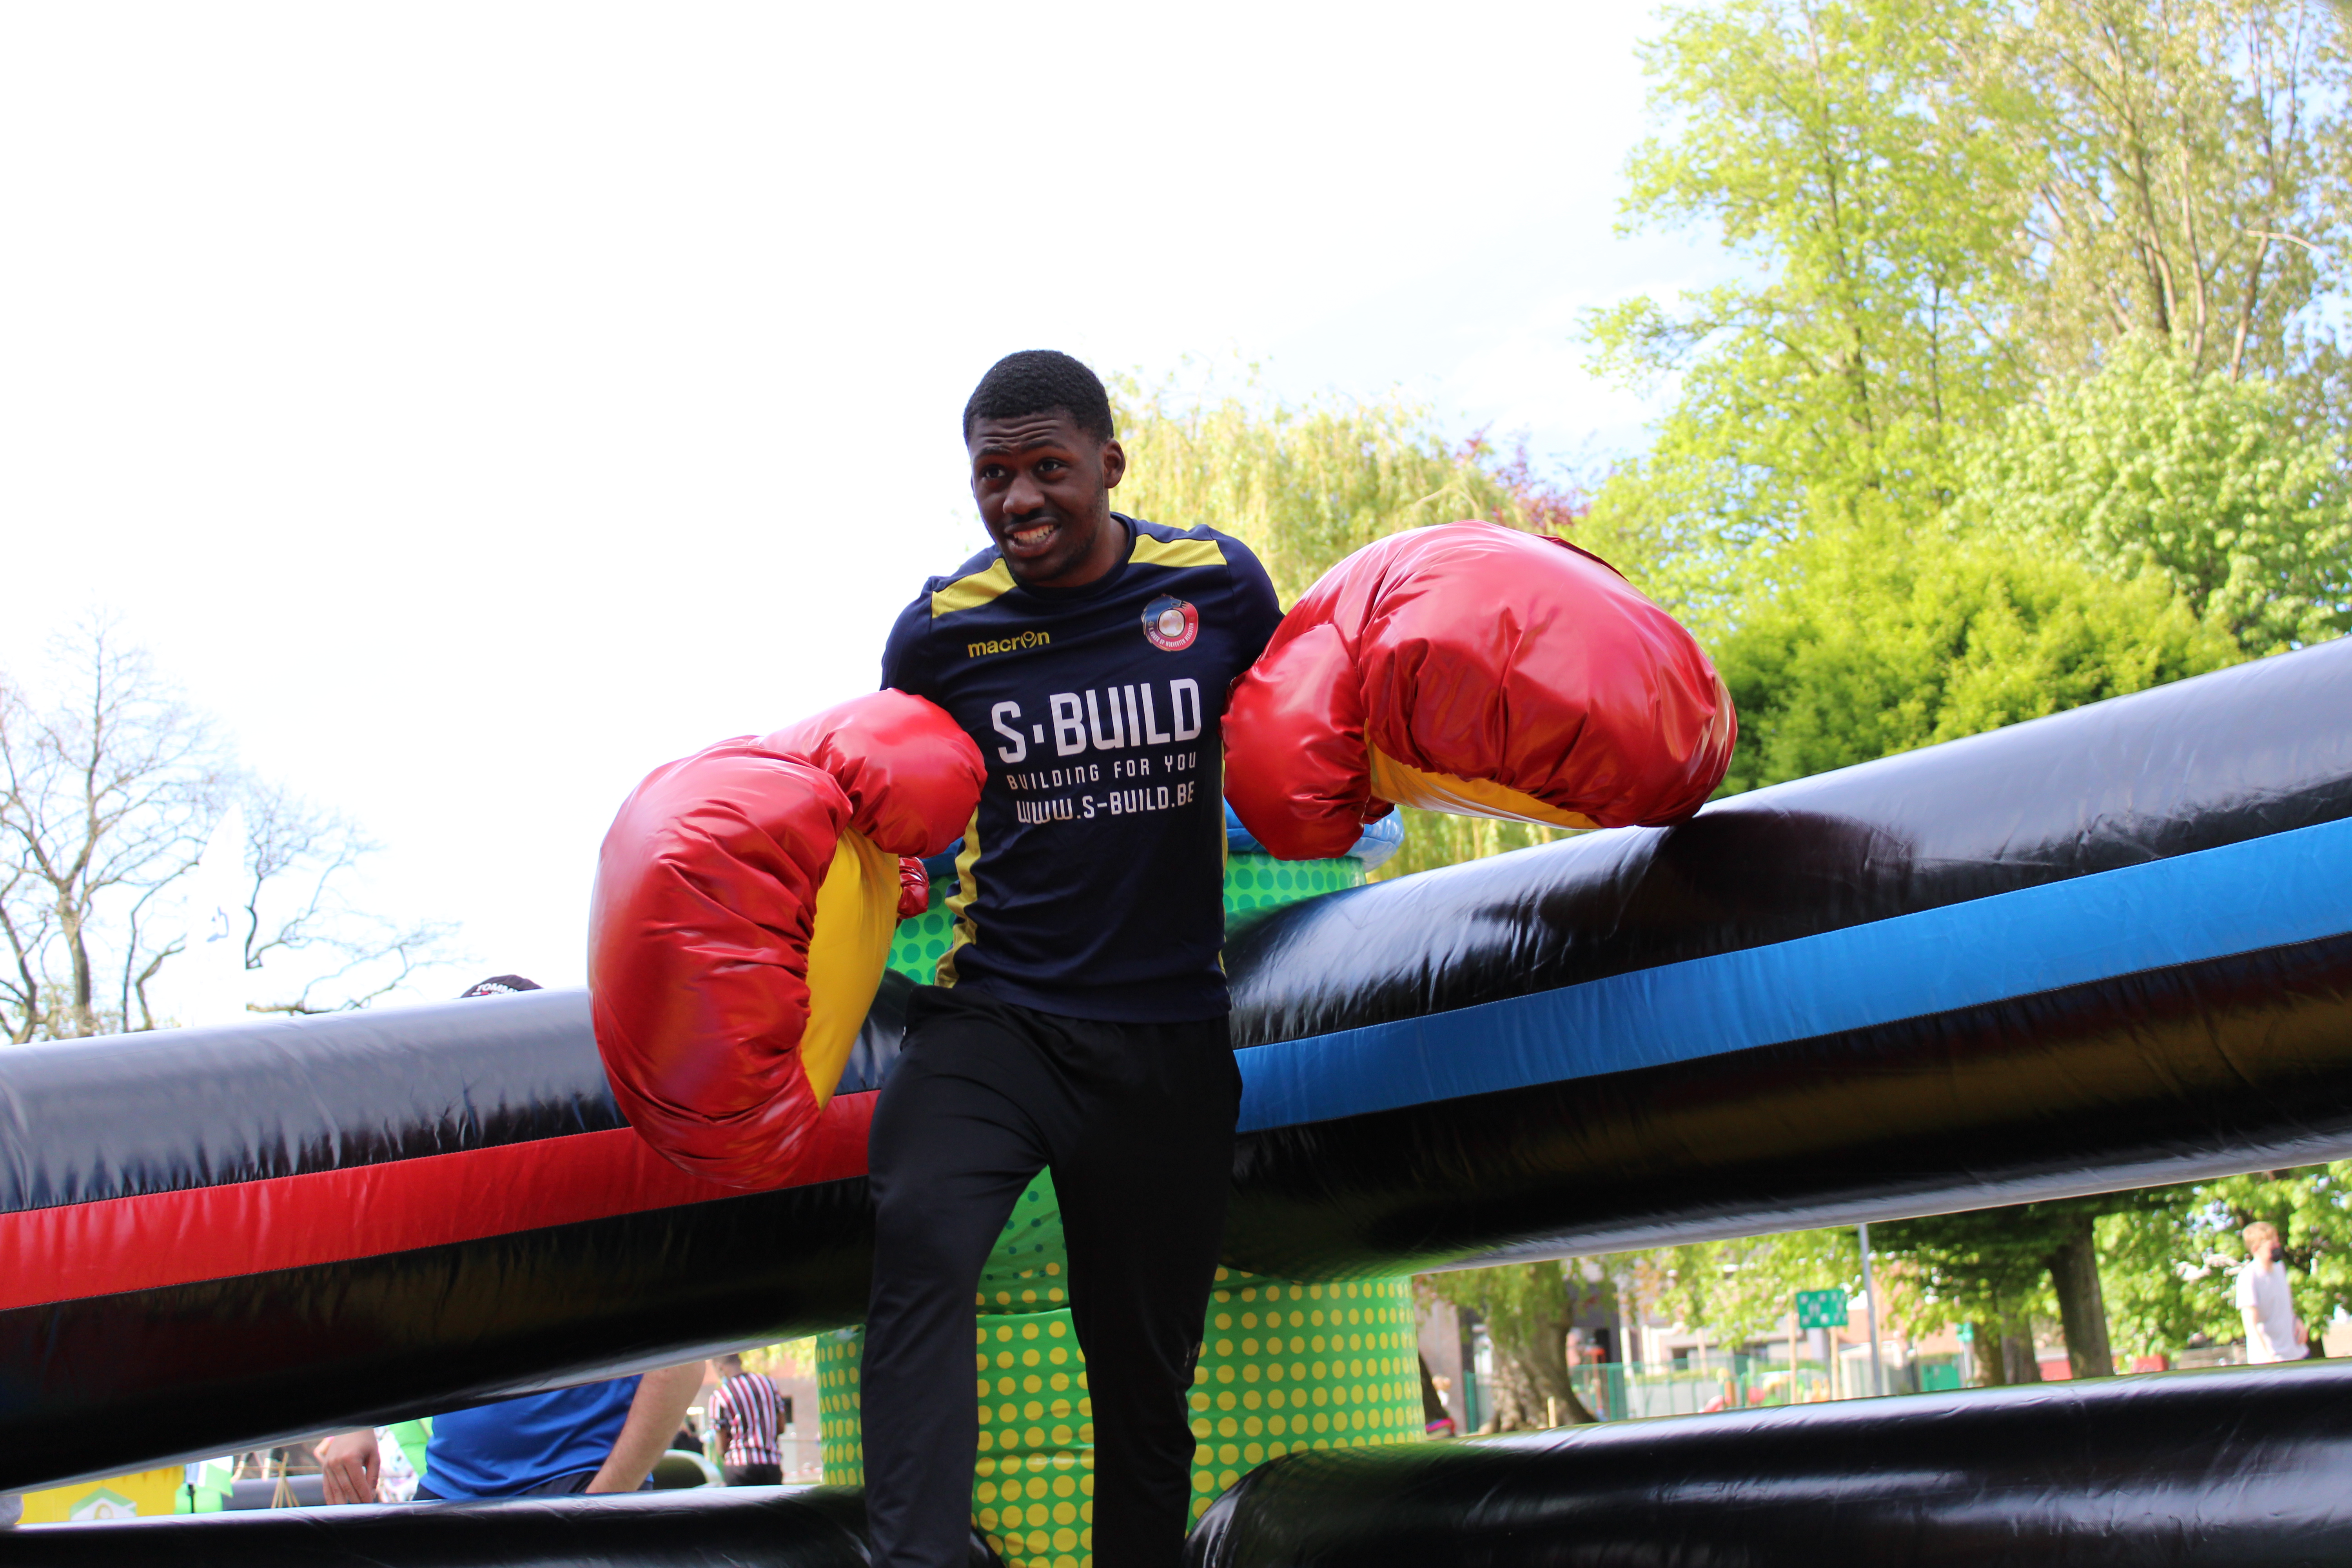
[[1394, 781], [849, 946]]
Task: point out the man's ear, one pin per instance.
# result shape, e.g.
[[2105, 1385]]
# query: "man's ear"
[[1114, 461]]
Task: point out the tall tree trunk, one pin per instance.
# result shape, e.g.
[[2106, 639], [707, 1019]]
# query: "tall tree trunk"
[[1526, 1374], [1993, 1366], [2004, 1353], [1512, 1402], [2082, 1303], [1547, 1358]]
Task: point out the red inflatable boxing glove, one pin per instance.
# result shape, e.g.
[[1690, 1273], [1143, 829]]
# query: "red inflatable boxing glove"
[[745, 899], [914, 888], [1473, 669]]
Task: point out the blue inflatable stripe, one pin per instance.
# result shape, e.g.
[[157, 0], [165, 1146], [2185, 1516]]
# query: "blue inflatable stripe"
[[2265, 892]]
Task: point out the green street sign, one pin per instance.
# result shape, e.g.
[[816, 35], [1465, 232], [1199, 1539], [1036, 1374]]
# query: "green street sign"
[[1820, 1309]]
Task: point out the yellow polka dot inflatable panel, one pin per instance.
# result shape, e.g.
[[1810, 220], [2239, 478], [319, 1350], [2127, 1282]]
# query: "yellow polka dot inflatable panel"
[[1287, 1366], [1292, 1367]]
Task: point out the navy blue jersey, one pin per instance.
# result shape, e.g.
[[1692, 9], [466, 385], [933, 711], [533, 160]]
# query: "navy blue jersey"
[[1091, 881]]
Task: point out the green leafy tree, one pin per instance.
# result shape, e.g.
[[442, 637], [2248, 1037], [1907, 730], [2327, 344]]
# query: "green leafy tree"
[[2149, 467], [1302, 485], [2001, 1268], [1872, 641], [1742, 1291], [1528, 1308], [1305, 485], [1737, 1291], [2024, 405], [1844, 151], [1954, 207], [2169, 1261], [2188, 178]]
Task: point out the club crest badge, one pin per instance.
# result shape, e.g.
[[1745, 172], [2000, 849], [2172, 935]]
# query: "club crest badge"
[[1170, 624]]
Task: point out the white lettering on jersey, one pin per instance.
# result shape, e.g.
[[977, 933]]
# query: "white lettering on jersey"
[[1167, 797], [1117, 739], [1108, 719], [1177, 691], [1150, 730], [997, 717], [1069, 727]]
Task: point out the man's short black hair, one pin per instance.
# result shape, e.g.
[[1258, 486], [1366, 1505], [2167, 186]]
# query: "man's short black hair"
[[1036, 380]]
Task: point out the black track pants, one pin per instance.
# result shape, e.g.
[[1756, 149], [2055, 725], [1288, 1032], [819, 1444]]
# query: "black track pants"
[[1137, 1123]]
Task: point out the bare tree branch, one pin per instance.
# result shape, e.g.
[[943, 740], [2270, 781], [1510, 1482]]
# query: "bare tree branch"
[[108, 796]]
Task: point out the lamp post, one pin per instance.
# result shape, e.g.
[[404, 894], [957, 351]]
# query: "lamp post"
[[1870, 1313]]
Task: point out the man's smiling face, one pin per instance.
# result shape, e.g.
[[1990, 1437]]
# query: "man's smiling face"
[[1043, 488]]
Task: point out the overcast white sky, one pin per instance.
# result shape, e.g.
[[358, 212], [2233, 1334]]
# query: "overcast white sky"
[[476, 405]]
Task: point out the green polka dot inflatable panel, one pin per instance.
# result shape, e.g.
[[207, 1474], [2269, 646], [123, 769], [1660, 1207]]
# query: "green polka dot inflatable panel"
[[1286, 1366], [1251, 882], [1283, 1365]]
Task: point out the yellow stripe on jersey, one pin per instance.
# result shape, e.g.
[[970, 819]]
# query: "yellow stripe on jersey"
[[1151, 552], [960, 902], [971, 593], [985, 587]]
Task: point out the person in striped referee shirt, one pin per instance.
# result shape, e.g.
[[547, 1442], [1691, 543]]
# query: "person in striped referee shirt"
[[745, 1415]]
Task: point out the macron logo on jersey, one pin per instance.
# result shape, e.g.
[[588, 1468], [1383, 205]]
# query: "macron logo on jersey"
[[1020, 642], [1109, 719]]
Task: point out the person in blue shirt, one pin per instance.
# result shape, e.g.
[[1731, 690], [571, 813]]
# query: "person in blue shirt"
[[1079, 1017], [595, 1437]]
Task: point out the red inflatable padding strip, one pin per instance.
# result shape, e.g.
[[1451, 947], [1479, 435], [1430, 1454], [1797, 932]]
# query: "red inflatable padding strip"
[[156, 1239], [1474, 669]]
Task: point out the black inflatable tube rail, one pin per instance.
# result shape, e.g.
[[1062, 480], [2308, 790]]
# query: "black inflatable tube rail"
[[2236, 1057], [706, 1527], [2240, 1467]]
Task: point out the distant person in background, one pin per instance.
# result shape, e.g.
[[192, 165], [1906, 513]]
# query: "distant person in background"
[[2272, 1331], [597, 1437], [743, 1417]]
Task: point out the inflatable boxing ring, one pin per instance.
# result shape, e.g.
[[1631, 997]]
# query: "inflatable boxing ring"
[[2099, 950]]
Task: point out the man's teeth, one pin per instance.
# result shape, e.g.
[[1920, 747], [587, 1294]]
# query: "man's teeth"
[[1032, 535]]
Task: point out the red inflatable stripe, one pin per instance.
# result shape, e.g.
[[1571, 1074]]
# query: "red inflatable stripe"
[[157, 1239]]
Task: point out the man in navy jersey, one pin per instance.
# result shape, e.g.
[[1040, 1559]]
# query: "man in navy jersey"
[[1079, 1018]]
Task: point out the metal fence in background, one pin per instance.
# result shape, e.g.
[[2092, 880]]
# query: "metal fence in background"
[[1742, 1383]]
